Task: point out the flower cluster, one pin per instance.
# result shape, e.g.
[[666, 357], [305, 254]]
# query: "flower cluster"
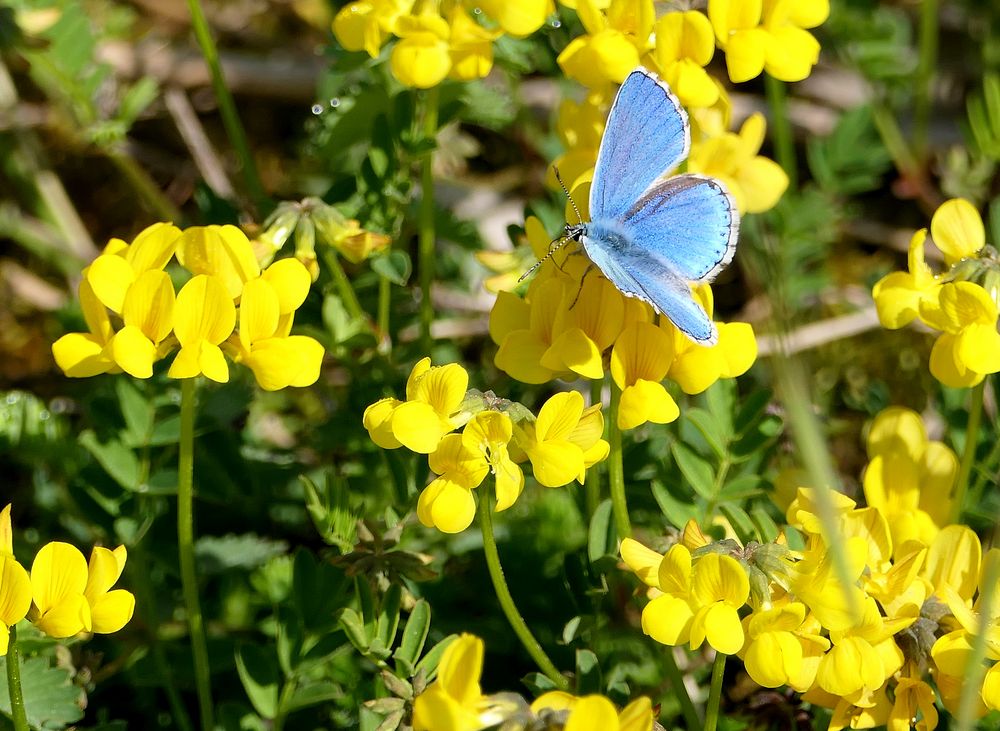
[[436, 40], [570, 325], [63, 595], [227, 304], [878, 650], [496, 437], [455, 701], [960, 302], [755, 35]]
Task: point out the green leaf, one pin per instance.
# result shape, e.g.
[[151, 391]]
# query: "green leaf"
[[741, 488], [118, 461], [388, 618], [767, 529], [738, 518], [313, 694], [696, 470], [136, 410], [751, 410], [588, 673], [429, 662], [354, 628], [259, 675], [134, 102], [677, 512], [721, 401], [708, 427], [51, 700], [414, 637], [752, 443], [601, 536], [217, 554], [394, 265]]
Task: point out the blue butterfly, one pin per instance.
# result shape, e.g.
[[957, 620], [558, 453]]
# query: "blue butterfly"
[[652, 238]]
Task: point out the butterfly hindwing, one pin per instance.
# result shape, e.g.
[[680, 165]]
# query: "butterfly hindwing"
[[636, 274], [688, 222], [647, 134]]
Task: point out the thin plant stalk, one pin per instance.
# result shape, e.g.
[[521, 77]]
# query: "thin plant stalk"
[[185, 545], [926, 64], [592, 485], [781, 128], [227, 107], [344, 287], [426, 237], [973, 681], [384, 304], [969, 451], [691, 718], [616, 468], [18, 714], [715, 692], [510, 610]]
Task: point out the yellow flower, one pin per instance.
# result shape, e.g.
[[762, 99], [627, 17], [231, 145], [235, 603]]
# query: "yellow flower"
[[223, 252], [696, 367], [420, 58], [267, 308], [595, 712], [204, 317], [15, 586], [784, 647], [111, 274], [518, 18], [470, 46], [913, 697], [526, 330], [756, 183], [684, 45], [565, 440], [366, 25], [909, 478], [957, 230], [463, 461], [455, 700], [640, 359], [613, 44], [898, 296], [109, 610], [969, 347], [768, 35], [433, 397], [81, 355]]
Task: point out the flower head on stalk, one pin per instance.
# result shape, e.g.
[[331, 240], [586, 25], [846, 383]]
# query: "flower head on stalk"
[[128, 283]]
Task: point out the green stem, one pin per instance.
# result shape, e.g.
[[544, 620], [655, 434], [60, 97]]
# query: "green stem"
[[974, 668], [507, 601], [781, 128], [426, 235], [592, 485], [384, 304], [969, 451], [185, 545], [691, 718], [227, 107], [17, 712], [715, 692], [159, 205], [616, 468], [925, 76], [287, 692], [344, 287]]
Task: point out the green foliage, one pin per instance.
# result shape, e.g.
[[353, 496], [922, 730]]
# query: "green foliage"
[[51, 700]]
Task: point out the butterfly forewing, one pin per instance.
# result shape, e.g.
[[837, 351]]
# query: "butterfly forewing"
[[688, 222], [646, 135]]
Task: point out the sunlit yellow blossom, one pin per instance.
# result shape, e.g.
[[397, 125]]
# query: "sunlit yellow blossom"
[[565, 439], [909, 479], [81, 355], [518, 17], [914, 698], [969, 347], [470, 46], [768, 35], [684, 45], [596, 713], [783, 648], [366, 25], [613, 44], [584, 329], [421, 56], [204, 316], [898, 295], [526, 331], [110, 610], [267, 308], [111, 274], [696, 367], [755, 182], [15, 586], [641, 357], [58, 580], [223, 252], [957, 230], [455, 700], [433, 396]]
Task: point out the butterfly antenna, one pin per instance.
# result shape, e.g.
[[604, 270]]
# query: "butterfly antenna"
[[553, 248], [579, 218]]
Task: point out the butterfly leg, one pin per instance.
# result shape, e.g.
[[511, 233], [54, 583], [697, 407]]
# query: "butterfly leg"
[[583, 279]]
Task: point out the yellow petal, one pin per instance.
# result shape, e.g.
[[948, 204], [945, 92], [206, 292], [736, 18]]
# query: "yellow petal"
[[460, 668], [790, 53], [947, 367], [745, 52], [260, 310], [642, 351], [574, 351], [112, 611], [420, 60], [762, 182], [646, 401], [417, 426], [738, 346], [15, 591], [378, 421], [684, 35], [59, 570], [133, 352], [592, 713], [957, 230], [691, 83], [203, 311], [6, 532], [291, 281], [559, 416], [103, 570], [978, 348], [81, 355], [223, 252], [149, 305], [109, 275], [728, 16], [556, 463], [67, 618], [453, 508], [697, 368], [667, 619], [520, 357], [637, 716], [351, 23], [509, 313], [645, 562], [153, 247]]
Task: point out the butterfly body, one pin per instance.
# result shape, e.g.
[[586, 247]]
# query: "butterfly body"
[[651, 237]]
